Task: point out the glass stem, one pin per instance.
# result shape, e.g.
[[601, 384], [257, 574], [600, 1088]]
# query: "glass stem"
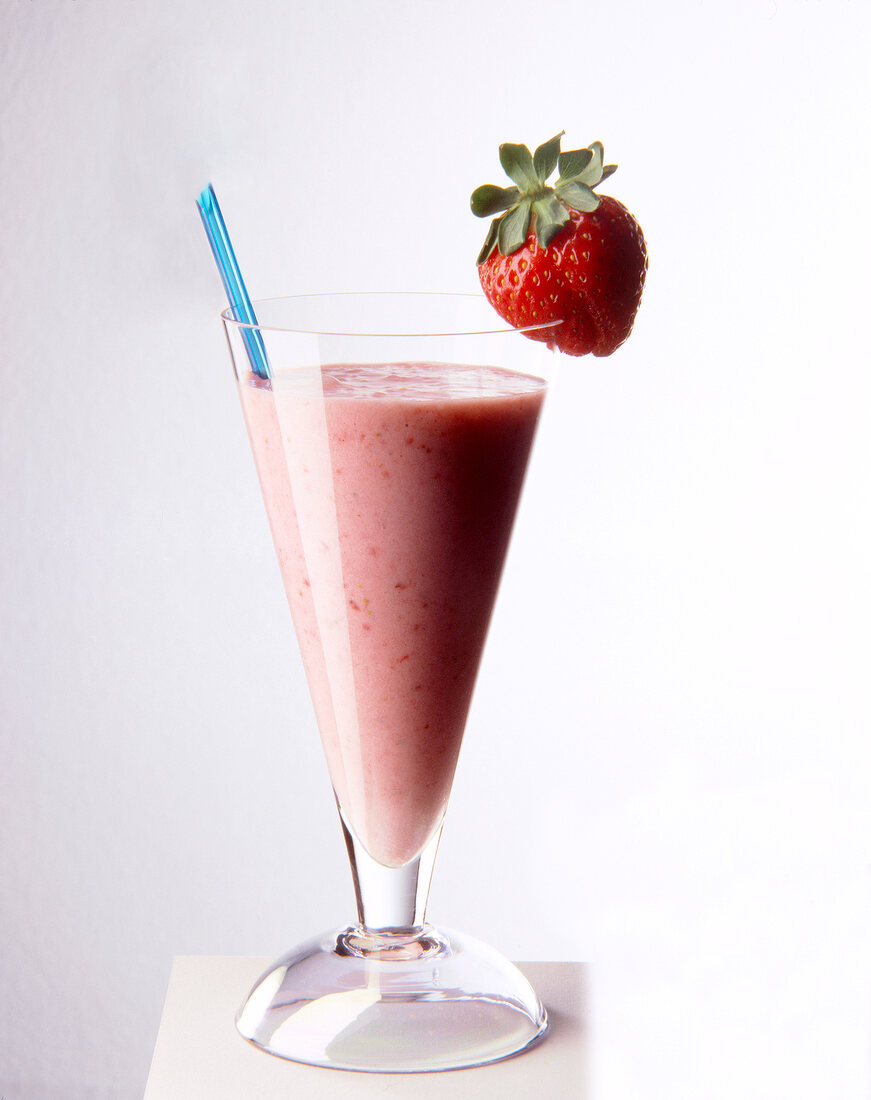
[[391, 901]]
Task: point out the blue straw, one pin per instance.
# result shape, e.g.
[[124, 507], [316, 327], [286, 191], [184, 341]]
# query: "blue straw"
[[232, 279]]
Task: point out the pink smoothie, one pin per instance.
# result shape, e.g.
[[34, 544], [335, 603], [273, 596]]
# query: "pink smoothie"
[[391, 500]]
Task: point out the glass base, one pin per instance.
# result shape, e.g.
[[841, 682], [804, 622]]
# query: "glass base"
[[396, 1002]]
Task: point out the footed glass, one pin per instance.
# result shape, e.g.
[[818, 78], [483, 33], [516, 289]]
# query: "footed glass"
[[391, 434]]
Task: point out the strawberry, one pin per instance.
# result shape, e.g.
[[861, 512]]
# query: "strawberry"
[[562, 252]]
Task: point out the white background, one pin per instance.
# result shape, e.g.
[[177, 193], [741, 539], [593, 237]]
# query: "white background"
[[666, 770]]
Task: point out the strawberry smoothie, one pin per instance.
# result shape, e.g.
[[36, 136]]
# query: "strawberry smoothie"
[[391, 491]]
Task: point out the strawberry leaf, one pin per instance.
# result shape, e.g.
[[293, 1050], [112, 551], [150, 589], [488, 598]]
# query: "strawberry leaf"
[[580, 170], [573, 163], [490, 242], [546, 157], [517, 162], [490, 199], [550, 217], [577, 195], [592, 174], [514, 227]]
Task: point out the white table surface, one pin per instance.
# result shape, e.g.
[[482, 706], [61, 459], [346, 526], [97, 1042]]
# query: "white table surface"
[[199, 1054]]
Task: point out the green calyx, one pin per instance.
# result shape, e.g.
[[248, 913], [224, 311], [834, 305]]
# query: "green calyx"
[[579, 172]]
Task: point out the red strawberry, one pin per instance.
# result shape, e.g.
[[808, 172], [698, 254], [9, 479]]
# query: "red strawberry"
[[562, 252]]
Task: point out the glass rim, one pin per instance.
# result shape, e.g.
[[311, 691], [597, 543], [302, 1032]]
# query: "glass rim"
[[497, 329]]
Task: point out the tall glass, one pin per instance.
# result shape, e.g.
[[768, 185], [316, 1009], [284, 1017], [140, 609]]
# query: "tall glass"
[[391, 439]]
